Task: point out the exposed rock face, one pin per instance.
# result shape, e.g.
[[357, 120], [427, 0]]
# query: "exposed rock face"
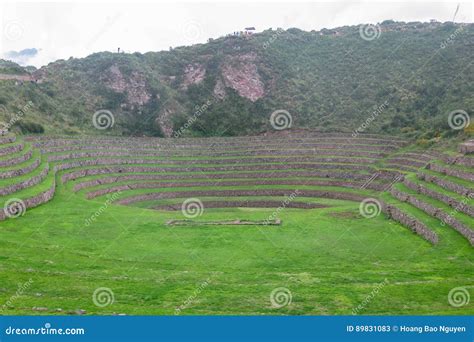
[[241, 74], [219, 89], [164, 121], [135, 87], [193, 74]]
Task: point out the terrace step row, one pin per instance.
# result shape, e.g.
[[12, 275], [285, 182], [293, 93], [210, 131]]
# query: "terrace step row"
[[460, 205], [286, 159], [250, 183], [438, 213]]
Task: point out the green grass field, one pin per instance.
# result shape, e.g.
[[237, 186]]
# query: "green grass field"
[[330, 259], [57, 257]]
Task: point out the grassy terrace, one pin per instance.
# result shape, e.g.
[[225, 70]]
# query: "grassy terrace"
[[452, 179], [25, 150], [330, 258], [463, 218]]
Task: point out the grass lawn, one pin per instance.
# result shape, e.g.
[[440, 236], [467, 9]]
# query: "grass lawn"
[[330, 259]]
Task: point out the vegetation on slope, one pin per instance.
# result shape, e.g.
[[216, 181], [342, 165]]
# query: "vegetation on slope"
[[406, 80]]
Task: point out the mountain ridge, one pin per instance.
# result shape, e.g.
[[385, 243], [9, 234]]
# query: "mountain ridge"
[[397, 78]]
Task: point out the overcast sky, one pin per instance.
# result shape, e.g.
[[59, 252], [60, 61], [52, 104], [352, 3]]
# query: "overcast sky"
[[38, 33]]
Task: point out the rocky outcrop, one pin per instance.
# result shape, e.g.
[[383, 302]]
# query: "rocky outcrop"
[[193, 74], [241, 74], [134, 86]]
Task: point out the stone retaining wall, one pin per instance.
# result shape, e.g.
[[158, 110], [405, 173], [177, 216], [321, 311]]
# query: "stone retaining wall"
[[113, 161], [410, 222], [314, 159], [213, 153], [245, 204], [16, 160], [161, 185], [5, 150], [435, 212], [451, 186], [35, 201], [240, 193], [10, 189], [459, 206], [73, 175], [21, 171], [460, 160], [451, 172], [7, 139]]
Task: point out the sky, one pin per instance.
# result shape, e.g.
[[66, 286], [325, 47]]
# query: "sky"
[[37, 33]]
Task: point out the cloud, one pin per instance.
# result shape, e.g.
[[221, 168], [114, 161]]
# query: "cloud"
[[21, 57]]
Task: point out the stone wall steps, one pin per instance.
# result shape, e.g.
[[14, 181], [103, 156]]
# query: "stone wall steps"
[[436, 209]]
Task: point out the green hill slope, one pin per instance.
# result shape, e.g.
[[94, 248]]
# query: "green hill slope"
[[406, 79]]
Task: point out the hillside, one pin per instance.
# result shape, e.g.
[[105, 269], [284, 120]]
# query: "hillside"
[[405, 80]]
